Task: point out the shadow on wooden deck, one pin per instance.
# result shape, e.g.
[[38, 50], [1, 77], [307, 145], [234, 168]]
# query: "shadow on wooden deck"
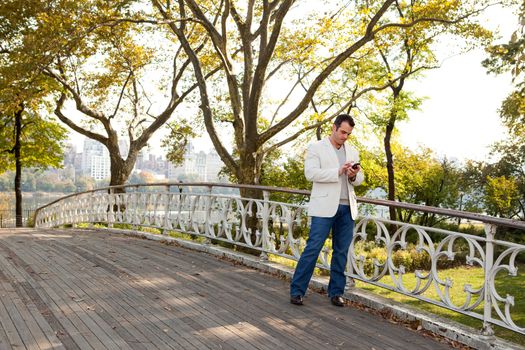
[[75, 289]]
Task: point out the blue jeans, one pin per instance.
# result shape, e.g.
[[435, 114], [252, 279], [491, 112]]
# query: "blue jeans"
[[342, 226]]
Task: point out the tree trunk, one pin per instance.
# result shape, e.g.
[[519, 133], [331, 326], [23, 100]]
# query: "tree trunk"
[[18, 166], [390, 165], [396, 90], [250, 175], [120, 171], [120, 168]]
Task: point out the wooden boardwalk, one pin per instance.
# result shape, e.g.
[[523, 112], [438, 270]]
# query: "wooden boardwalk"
[[71, 289]]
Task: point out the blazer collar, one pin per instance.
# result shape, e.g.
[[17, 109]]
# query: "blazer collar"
[[331, 150]]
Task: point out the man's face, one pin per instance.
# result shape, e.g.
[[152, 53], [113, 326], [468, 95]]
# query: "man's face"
[[339, 135]]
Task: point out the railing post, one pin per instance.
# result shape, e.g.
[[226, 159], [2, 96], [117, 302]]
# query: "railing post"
[[134, 225], [111, 208], [265, 217], [166, 210], [207, 216], [60, 215], [91, 210], [490, 231]]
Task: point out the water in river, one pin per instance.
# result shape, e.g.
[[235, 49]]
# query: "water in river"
[[30, 200]]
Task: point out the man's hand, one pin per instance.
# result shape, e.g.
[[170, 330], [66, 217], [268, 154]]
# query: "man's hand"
[[352, 172], [344, 168]]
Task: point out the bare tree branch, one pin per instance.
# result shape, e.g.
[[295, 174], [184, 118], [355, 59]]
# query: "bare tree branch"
[[121, 94], [265, 54], [432, 19], [220, 45], [285, 99], [355, 97], [80, 105], [72, 125], [201, 84], [323, 75]]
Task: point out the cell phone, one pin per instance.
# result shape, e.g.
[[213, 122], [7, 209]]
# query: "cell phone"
[[355, 165]]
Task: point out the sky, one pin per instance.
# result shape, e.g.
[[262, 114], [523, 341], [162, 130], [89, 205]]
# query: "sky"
[[459, 117]]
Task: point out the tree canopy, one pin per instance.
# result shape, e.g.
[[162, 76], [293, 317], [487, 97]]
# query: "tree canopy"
[[504, 180], [284, 71], [109, 62], [28, 138]]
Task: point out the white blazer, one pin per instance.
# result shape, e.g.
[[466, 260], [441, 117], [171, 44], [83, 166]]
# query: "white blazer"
[[321, 166]]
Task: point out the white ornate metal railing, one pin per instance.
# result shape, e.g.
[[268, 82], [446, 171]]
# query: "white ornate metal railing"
[[378, 254]]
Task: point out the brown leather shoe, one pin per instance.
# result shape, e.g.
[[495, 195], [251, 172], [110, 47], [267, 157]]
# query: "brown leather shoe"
[[337, 300], [296, 300]]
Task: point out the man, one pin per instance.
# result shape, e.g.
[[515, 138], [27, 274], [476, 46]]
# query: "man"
[[333, 206]]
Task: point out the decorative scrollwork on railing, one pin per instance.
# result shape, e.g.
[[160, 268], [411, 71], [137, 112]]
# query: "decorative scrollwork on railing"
[[475, 255], [371, 268], [404, 257], [424, 244], [504, 305]]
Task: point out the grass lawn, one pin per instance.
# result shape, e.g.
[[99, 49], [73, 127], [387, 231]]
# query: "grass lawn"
[[514, 286]]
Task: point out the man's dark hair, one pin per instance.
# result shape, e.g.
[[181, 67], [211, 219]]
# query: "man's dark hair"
[[341, 118]]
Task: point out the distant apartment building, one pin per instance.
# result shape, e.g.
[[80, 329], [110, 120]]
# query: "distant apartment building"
[[197, 166], [100, 167], [200, 165], [95, 160], [214, 165]]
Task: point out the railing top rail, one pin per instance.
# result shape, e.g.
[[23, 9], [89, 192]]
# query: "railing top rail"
[[447, 212], [382, 202]]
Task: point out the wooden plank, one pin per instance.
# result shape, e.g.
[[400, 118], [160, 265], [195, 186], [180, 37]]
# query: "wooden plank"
[[70, 321], [326, 306], [62, 296], [133, 303], [112, 317], [117, 305], [50, 322], [237, 305], [22, 304], [33, 320], [233, 310], [4, 340], [42, 333], [340, 319], [155, 314], [208, 321], [18, 321], [229, 326], [9, 328], [193, 293]]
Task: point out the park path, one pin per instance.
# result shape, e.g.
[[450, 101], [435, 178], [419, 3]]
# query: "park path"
[[75, 289]]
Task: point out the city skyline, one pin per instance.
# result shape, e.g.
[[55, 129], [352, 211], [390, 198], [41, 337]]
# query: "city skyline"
[[92, 159]]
